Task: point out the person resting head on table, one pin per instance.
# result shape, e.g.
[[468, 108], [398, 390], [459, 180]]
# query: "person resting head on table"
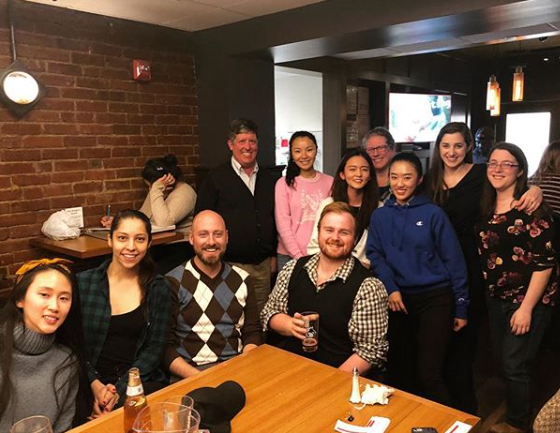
[[202, 335], [41, 348], [126, 309], [351, 303], [170, 201]]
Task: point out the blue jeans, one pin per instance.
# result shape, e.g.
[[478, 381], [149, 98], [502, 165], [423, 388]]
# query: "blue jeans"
[[517, 354], [283, 260]]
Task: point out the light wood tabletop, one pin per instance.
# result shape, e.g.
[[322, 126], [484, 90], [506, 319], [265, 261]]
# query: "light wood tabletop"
[[288, 393], [85, 247]]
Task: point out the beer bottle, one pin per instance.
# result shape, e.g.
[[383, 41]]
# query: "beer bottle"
[[135, 399]]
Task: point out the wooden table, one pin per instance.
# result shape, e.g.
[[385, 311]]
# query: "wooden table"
[[85, 247], [288, 393]]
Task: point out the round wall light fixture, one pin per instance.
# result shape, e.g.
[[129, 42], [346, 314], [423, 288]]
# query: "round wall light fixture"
[[19, 89]]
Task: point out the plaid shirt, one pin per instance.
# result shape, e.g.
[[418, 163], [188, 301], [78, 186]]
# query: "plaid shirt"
[[93, 286], [369, 320]]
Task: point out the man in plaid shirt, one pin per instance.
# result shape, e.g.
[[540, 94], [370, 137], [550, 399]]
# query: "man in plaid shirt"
[[351, 303]]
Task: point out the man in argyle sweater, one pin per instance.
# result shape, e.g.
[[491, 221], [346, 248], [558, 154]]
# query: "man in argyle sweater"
[[214, 312]]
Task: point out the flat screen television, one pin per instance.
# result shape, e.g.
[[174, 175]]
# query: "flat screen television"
[[415, 117]]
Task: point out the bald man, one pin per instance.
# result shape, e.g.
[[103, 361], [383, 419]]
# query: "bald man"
[[214, 311]]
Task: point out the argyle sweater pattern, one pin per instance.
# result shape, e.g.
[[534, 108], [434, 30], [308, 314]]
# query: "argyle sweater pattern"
[[211, 313]]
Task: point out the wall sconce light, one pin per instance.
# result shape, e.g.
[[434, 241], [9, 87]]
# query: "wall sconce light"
[[518, 84], [497, 101], [491, 92], [19, 89]]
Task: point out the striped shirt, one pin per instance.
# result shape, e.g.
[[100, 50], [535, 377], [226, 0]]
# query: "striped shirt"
[[550, 186]]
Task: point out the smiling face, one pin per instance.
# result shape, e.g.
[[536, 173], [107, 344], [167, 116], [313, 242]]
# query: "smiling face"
[[503, 170], [356, 172], [337, 231], [379, 151], [209, 237], [244, 149], [403, 180], [47, 302], [303, 152], [453, 150], [129, 242]]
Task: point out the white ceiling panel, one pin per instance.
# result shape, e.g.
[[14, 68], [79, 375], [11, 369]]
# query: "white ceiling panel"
[[190, 15], [144, 10], [220, 3], [216, 18], [266, 7]]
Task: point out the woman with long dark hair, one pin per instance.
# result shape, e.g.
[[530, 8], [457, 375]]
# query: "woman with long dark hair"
[[126, 307], [297, 198], [520, 277], [355, 184], [42, 366], [170, 201], [455, 184]]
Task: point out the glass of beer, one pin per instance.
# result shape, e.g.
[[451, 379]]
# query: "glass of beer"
[[311, 341], [33, 424], [167, 417]]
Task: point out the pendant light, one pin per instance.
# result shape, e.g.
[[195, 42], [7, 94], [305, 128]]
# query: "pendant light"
[[497, 100], [491, 92], [518, 85]]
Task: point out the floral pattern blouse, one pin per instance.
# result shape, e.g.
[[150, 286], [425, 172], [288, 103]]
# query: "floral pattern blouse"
[[512, 246]]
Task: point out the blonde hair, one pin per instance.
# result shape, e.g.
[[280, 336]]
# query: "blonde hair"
[[550, 161]]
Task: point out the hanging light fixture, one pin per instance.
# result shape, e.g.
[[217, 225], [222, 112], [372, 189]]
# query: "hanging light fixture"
[[497, 100], [518, 84], [19, 89], [491, 91]]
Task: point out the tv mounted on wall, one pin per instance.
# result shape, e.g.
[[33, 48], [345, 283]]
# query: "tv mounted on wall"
[[417, 118]]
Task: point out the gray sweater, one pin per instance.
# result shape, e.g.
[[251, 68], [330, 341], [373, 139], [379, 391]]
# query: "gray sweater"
[[35, 361]]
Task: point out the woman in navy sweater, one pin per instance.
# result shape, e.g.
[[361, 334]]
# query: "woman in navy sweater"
[[414, 251]]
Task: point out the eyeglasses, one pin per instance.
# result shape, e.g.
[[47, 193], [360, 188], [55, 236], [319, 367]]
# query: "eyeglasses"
[[379, 149], [506, 165]]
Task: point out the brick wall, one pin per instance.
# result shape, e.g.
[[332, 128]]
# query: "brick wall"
[[85, 143]]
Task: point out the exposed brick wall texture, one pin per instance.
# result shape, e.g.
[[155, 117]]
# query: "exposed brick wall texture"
[[86, 142]]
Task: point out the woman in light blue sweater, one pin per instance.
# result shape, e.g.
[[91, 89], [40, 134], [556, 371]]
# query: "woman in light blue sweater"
[[41, 346]]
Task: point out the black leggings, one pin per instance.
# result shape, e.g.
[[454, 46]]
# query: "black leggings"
[[418, 343]]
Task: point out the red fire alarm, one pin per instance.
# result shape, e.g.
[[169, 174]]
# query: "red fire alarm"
[[141, 70]]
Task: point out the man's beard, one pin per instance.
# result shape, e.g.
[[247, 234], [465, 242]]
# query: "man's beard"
[[207, 259], [341, 254]]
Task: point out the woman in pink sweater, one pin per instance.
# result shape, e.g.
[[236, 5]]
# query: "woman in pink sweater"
[[297, 197]]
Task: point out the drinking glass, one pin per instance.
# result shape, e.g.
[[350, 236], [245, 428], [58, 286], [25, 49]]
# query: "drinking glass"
[[184, 400], [33, 424], [167, 417], [311, 341]]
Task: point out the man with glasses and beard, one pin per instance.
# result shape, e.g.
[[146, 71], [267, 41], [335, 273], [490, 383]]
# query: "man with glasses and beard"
[[214, 311], [351, 303]]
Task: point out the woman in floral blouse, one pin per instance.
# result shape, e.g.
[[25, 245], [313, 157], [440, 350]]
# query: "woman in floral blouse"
[[518, 262]]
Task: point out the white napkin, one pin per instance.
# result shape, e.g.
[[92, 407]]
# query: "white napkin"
[[376, 424], [379, 394]]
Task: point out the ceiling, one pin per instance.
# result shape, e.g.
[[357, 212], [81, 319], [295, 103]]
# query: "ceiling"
[[189, 15]]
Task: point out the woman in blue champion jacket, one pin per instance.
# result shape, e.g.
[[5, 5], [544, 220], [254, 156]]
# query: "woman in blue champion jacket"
[[414, 251]]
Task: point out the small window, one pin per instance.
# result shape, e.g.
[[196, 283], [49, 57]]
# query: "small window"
[[531, 132]]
